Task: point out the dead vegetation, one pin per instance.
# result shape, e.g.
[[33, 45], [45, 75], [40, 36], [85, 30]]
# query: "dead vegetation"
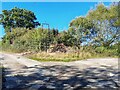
[[59, 48]]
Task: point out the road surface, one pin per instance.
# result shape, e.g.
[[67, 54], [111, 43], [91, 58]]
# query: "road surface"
[[25, 74]]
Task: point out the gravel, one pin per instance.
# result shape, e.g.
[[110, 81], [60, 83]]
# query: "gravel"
[[26, 74]]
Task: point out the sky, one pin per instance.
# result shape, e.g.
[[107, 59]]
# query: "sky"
[[57, 14]]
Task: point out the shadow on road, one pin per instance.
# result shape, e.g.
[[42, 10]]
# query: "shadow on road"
[[59, 77]]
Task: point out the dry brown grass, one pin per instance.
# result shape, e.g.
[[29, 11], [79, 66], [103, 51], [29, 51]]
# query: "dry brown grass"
[[57, 56]]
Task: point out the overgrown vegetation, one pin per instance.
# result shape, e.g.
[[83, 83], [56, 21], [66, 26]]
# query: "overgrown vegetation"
[[95, 35]]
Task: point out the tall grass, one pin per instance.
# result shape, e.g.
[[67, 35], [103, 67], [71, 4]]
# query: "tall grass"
[[82, 54], [65, 57]]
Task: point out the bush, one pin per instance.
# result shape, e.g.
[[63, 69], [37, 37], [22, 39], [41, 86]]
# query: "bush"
[[107, 51], [100, 49]]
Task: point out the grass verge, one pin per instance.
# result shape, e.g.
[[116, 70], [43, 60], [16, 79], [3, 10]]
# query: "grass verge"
[[67, 57]]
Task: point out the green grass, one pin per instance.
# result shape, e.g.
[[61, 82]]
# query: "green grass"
[[53, 59], [67, 59]]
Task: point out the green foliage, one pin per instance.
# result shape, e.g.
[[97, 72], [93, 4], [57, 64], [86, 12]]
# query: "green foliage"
[[9, 37], [66, 38], [17, 17], [33, 40], [100, 26], [99, 29], [109, 52], [81, 29], [81, 21], [100, 49], [105, 24]]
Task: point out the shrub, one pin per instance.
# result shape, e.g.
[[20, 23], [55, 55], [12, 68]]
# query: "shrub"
[[100, 49]]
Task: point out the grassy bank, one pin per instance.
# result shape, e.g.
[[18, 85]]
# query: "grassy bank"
[[73, 56]]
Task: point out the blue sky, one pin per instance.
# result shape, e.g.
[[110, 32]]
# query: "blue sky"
[[57, 14]]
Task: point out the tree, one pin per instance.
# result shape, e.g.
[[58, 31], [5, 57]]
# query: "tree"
[[81, 29], [101, 26], [1, 18], [106, 24], [17, 17]]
